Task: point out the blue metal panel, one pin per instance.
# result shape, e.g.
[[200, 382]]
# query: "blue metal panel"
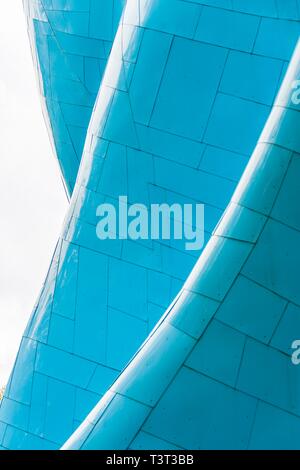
[[285, 333], [222, 362], [72, 42], [281, 429], [252, 309], [227, 29], [232, 391]]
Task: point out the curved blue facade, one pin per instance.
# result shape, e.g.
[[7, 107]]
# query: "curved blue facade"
[[185, 95], [217, 372], [71, 42]]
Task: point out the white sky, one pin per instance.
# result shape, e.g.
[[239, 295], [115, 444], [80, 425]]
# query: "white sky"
[[32, 198]]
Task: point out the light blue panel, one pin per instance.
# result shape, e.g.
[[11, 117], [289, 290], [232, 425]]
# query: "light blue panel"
[[66, 284], [223, 163], [227, 4], [287, 331], [263, 77], [77, 65], [16, 439], [2, 431], [86, 207], [152, 374], [198, 413], [61, 333], [176, 263], [274, 429], [143, 255], [194, 184], [86, 427], [38, 405], [75, 115], [288, 97], [124, 335], [14, 413], [59, 61], [275, 261], [218, 354], [192, 313], [145, 441], [271, 378], [189, 95], [78, 135], [118, 8], [288, 9], [77, 22], [257, 7], [227, 29], [64, 366], [80, 435], [38, 324], [283, 210], [91, 323], [81, 45], [67, 5], [23, 372], [240, 223], [285, 133], [102, 379], [121, 130], [214, 283], [134, 414], [140, 175], [101, 19], [259, 195], [145, 86], [93, 70], [159, 288], [170, 146], [129, 281], [234, 123], [84, 235], [171, 16], [119, 72], [155, 313], [60, 397], [85, 402], [277, 38], [250, 308]]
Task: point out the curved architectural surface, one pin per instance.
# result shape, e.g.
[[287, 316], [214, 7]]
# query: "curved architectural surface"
[[217, 372], [186, 93], [71, 42]]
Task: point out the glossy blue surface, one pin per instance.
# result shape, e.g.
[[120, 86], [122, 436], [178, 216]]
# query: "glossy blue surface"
[[71, 42], [175, 121], [234, 386]]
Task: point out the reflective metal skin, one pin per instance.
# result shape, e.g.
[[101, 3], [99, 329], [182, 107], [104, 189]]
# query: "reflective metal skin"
[[71, 41], [186, 93], [217, 372]]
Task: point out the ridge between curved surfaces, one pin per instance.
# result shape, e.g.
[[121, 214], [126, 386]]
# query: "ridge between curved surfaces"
[[217, 372]]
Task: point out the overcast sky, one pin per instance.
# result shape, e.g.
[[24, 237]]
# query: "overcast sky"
[[32, 198]]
